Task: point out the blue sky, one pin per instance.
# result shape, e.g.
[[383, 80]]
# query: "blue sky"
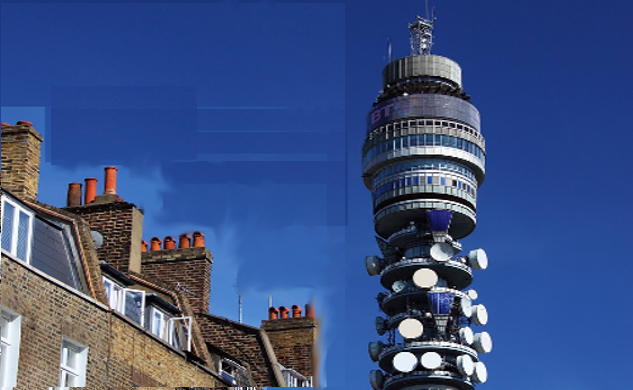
[[245, 121]]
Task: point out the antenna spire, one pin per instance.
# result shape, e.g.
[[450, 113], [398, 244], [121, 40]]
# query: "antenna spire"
[[421, 34]]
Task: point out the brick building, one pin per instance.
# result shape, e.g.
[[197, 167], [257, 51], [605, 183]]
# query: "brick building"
[[87, 302]]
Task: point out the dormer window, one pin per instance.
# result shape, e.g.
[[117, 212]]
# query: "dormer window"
[[164, 320], [233, 372], [17, 227]]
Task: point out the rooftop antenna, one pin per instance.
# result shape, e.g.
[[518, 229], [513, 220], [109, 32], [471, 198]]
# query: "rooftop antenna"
[[421, 33]]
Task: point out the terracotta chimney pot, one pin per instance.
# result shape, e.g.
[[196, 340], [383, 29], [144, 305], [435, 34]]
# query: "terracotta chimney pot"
[[284, 311], [5, 124], [143, 246], [184, 241], [310, 310], [25, 123], [296, 311], [91, 189], [110, 180], [155, 244], [74, 195], [273, 313], [170, 243], [198, 240]]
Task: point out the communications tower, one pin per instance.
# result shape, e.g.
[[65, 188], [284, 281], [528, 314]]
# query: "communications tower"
[[423, 161]]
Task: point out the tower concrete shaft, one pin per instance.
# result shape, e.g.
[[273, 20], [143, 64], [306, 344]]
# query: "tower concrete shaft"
[[423, 161]]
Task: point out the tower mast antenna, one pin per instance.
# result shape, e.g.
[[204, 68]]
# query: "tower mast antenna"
[[421, 34]]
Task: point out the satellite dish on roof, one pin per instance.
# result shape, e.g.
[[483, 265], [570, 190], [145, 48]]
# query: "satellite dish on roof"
[[441, 251], [410, 328], [376, 379], [405, 361], [481, 373], [425, 278], [483, 342], [373, 265], [398, 286], [431, 360], [97, 237], [381, 325], [466, 336], [478, 259], [472, 294], [479, 314], [465, 365], [465, 306], [375, 348]]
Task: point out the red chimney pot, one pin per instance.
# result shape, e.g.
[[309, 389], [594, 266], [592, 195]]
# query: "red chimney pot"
[[273, 313], [198, 240], [310, 310], [155, 244], [5, 124], [110, 180], [284, 311], [25, 123], [74, 195], [296, 311], [170, 243], [184, 241], [91, 189], [143, 246]]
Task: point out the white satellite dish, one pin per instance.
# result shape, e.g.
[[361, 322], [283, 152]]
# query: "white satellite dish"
[[425, 278], [482, 342], [481, 373], [405, 361], [441, 251], [465, 365], [375, 348], [381, 326], [431, 360], [398, 286], [478, 259], [466, 307], [480, 314], [376, 379], [466, 335], [410, 328], [373, 265], [472, 294]]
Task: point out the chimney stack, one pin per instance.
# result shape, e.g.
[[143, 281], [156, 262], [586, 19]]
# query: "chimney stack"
[[21, 147]]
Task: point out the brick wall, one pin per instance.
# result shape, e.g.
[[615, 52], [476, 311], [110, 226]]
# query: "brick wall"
[[21, 146], [189, 267], [294, 342], [120, 353], [121, 225]]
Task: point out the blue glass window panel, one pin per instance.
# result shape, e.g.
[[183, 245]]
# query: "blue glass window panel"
[[429, 180], [23, 236], [7, 224], [437, 140], [405, 142], [443, 181], [408, 181], [445, 141], [416, 181], [453, 142]]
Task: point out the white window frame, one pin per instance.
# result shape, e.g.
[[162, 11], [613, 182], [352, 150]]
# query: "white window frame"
[[175, 336], [15, 230], [161, 329], [117, 296], [10, 351], [230, 374], [73, 363], [294, 379]]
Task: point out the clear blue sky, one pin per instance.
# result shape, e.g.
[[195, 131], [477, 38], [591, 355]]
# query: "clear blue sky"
[[245, 121]]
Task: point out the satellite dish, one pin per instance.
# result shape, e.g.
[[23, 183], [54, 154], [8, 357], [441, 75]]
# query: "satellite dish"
[[405, 361], [410, 328], [381, 326], [478, 259], [441, 251], [431, 360], [376, 379], [472, 294], [373, 265], [375, 348], [97, 237], [398, 286], [425, 278], [465, 306], [465, 365], [483, 342], [480, 314], [481, 373], [466, 336]]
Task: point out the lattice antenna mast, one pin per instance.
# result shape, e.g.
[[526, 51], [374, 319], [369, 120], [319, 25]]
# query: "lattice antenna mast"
[[421, 36]]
